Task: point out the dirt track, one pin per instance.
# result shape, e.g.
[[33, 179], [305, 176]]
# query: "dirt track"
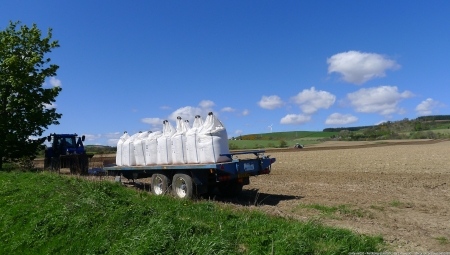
[[401, 192]]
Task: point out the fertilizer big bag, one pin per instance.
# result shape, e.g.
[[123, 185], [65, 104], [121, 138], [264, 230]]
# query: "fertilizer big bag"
[[139, 148], [122, 139], [179, 142], [213, 141], [192, 156], [151, 149], [128, 158], [164, 143]]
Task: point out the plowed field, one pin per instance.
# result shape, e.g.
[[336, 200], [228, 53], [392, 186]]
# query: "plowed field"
[[401, 192]]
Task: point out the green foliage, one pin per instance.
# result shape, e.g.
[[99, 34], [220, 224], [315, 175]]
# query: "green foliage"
[[40, 212], [282, 144], [24, 110]]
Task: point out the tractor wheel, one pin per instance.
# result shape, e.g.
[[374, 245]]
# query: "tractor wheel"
[[182, 186], [160, 184]]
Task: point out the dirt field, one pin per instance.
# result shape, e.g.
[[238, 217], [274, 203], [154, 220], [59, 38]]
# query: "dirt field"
[[401, 192]]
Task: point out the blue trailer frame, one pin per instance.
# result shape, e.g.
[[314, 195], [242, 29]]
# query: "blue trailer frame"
[[187, 180]]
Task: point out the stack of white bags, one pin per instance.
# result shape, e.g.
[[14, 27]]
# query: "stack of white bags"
[[202, 143]]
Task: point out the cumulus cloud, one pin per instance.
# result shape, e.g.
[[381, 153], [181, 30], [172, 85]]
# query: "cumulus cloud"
[[340, 119], [245, 112], [206, 104], [380, 122], [426, 107], [189, 112], [113, 135], [90, 137], [358, 67], [270, 102], [55, 82], [238, 132], [382, 100], [227, 109], [311, 100], [152, 121], [49, 106], [112, 142], [295, 119]]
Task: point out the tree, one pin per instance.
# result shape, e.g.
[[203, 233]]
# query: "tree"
[[25, 105]]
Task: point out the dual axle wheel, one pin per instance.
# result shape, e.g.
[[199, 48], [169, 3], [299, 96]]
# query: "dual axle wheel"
[[181, 186]]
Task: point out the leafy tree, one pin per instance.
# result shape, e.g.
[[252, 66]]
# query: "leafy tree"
[[25, 106]]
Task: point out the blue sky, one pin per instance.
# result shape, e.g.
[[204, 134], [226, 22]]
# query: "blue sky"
[[292, 65]]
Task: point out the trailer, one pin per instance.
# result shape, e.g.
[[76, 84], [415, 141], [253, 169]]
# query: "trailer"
[[188, 180]]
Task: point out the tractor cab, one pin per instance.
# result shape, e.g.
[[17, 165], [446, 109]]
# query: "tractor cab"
[[65, 144]]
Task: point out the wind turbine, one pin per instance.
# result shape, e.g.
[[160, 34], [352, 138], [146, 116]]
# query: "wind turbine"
[[270, 128]]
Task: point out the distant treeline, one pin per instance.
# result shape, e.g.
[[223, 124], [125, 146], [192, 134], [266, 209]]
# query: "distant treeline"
[[98, 149], [419, 119], [435, 117], [346, 128]]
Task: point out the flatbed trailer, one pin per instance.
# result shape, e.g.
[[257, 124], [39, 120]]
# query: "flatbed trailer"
[[187, 180]]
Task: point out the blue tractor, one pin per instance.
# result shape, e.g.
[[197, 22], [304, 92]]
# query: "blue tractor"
[[67, 151]]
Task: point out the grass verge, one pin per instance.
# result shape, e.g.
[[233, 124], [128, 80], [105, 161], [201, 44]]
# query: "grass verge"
[[44, 213]]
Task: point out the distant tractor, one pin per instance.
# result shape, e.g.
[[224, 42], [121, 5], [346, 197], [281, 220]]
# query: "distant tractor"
[[67, 151], [298, 146]]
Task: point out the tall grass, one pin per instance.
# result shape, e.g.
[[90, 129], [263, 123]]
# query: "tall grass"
[[42, 213]]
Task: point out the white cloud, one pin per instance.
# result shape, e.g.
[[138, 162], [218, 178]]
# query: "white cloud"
[[189, 112], [295, 119], [381, 122], [358, 67], [55, 82], [206, 104], [165, 107], [113, 135], [227, 109], [382, 100], [50, 106], [426, 107], [238, 132], [112, 142], [245, 112], [152, 121], [270, 102], [90, 137], [311, 100], [340, 119]]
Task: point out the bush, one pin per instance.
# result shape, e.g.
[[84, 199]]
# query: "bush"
[[282, 144]]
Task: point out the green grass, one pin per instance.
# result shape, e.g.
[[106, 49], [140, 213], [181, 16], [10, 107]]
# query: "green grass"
[[442, 240], [44, 213], [330, 212], [260, 144]]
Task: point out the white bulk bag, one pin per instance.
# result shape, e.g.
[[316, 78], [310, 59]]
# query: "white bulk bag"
[[122, 139], [191, 141], [164, 155], [128, 158], [139, 148], [151, 150], [179, 142], [213, 141]]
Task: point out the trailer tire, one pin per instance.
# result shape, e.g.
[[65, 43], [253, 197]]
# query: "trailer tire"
[[160, 184], [231, 188], [182, 186]]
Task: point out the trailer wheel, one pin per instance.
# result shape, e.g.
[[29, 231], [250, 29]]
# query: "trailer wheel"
[[160, 184], [230, 188], [182, 186]]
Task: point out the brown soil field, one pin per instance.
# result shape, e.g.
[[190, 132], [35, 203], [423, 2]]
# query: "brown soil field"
[[401, 192]]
